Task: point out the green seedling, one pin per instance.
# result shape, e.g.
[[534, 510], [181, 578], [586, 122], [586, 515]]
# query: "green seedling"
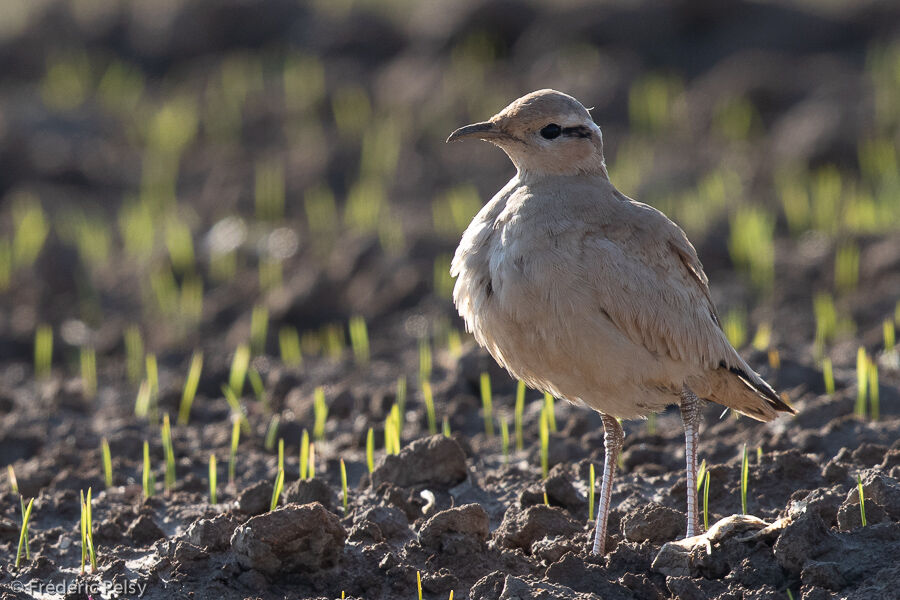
[[304, 454], [259, 390], [828, 374], [148, 479], [846, 268], [359, 340], [13, 482], [706, 501], [134, 353], [425, 362], [890, 335], [312, 461], [872, 386], [333, 336], [430, 415], [545, 444], [43, 351], [88, 360], [237, 411], [443, 281], [454, 343], [392, 432], [862, 501], [752, 247], [30, 229], [762, 339], [87, 533], [6, 264], [370, 449], [235, 441], [862, 380], [419, 584], [759, 454], [271, 274], [213, 480], [180, 245], [276, 490], [320, 409], [23, 508], [107, 463], [519, 414], [592, 477], [239, 365], [259, 326], [487, 405], [272, 433], [826, 321], [445, 426], [735, 326], [745, 478], [153, 388], [289, 346], [142, 401], [549, 406], [190, 388], [546, 499], [344, 494], [169, 452], [701, 473], [321, 215], [281, 454], [789, 594], [401, 399], [504, 438], [366, 204], [23, 534], [269, 190]]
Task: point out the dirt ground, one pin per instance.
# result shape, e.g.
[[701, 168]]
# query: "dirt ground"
[[452, 510]]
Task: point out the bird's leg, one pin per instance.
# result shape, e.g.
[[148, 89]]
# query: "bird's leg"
[[613, 437], [690, 416]]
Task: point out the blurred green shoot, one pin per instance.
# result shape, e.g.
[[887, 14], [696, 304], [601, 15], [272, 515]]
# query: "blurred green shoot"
[[443, 281], [87, 533], [179, 244], [846, 267], [890, 335], [237, 411], [706, 501], [272, 433], [428, 397], [828, 374], [106, 456], [259, 325], [312, 461], [745, 479], [304, 454], [43, 351], [213, 479], [23, 533], [651, 102], [359, 340], [281, 454], [6, 264], [454, 343], [13, 482], [401, 399], [790, 595], [134, 353], [152, 376], [344, 494], [289, 345], [862, 380], [425, 363], [148, 479], [453, 211], [364, 206], [320, 409], [120, 88], [352, 110], [370, 449], [391, 432], [239, 365], [142, 401], [752, 247], [735, 326], [545, 444], [735, 118], [190, 388], [271, 274], [321, 212], [276, 490], [518, 415], [334, 341], [24, 509], [169, 453], [862, 500], [88, 360], [30, 229], [304, 82], [592, 484], [259, 390], [445, 426], [759, 454], [546, 500], [269, 190], [763, 337], [872, 386], [701, 473], [487, 404], [504, 438], [549, 406], [233, 450]]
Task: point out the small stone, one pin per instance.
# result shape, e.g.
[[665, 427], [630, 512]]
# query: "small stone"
[[290, 539], [212, 534], [144, 531], [455, 531], [436, 460]]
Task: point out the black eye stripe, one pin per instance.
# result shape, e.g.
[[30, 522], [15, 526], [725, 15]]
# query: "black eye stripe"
[[551, 131], [577, 131]]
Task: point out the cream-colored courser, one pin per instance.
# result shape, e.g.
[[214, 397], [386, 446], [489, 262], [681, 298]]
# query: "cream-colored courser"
[[584, 293]]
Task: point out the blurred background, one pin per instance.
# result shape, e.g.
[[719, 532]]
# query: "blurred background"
[[171, 168]]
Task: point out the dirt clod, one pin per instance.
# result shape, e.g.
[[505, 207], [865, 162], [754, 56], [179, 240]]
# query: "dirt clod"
[[212, 534], [653, 523], [520, 529], [144, 530], [435, 460], [456, 531]]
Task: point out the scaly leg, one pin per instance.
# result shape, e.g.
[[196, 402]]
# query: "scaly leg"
[[690, 416], [613, 438]]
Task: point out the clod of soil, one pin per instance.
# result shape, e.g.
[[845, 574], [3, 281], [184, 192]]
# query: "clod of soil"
[[435, 460], [457, 530], [520, 529], [653, 523], [214, 533], [290, 539]]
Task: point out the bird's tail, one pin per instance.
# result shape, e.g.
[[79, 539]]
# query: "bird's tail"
[[742, 389]]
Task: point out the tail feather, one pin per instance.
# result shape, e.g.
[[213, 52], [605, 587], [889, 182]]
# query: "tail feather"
[[743, 390]]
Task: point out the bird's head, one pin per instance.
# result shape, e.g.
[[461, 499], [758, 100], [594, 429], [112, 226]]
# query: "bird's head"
[[544, 132]]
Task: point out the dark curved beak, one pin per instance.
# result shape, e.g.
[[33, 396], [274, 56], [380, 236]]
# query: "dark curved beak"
[[482, 131]]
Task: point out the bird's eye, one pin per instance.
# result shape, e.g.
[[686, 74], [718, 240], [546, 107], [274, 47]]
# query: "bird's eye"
[[551, 131]]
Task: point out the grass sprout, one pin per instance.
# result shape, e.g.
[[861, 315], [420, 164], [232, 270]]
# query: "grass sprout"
[[169, 452], [359, 339], [846, 267], [107, 463], [23, 533], [259, 390], [87, 533], [745, 477], [401, 399], [344, 494], [734, 323], [592, 477], [148, 479], [419, 584], [31, 229], [518, 415], [545, 444], [445, 426], [281, 454], [504, 438], [312, 461], [259, 326], [134, 353], [276, 490], [304, 454], [872, 386], [487, 404], [88, 361], [706, 501], [190, 388], [235, 441], [428, 397], [751, 245], [701, 473], [889, 333], [43, 351], [239, 365], [213, 480], [289, 347], [549, 406], [862, 500], [13, 482], [425, 362], [828, 375], [272, 433], [269, 190], [862, 381], [370, 449], [237, 411], [320, 410]]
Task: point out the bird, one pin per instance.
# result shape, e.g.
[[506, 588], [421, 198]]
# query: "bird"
[[581, 292]]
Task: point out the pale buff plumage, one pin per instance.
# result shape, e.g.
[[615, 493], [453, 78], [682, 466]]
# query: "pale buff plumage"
[[584, 293]]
